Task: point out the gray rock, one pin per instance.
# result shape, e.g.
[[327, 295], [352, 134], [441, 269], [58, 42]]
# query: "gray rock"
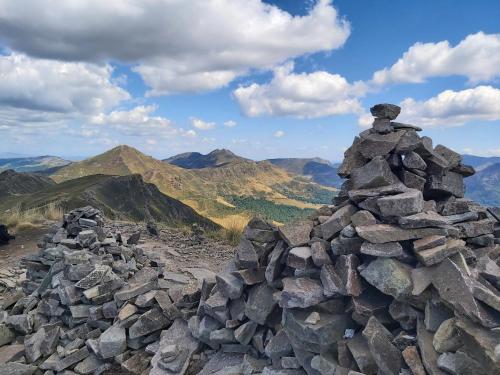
[[437, 254], [382, 125], [279, 346], [112, 342], [423, 220], [340, 219], [475, 228], [428, 243], [251, 365], [385, 354], [222, 336], [387, 250], [412, 160], [385, 110], [352, 159], [390, 277], [413, 180], [403, 204], [14, 368], [446, 362], [435, 314], [296, 233], [148, 322], [6, 335], [383, 233], [429, 355], [246, 255], [413, 360], [245, 332], [89, 365], [260, 303], [361, 353], [319, 253], [332, 284], [300, 292], [453, 158], [358, 195], [376, 144], [362, 218], [275, 266], [229, 285], [450, 183], [138, 363], [409, 141], [300, 257], [447, 337], [375, 173]]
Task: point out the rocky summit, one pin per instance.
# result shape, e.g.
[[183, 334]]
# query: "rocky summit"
[[400, 275]]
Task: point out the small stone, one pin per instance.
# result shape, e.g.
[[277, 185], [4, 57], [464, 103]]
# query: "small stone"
[[134, 238], [382, 125], [313, 318], [389, 249], [296, 233], [340, 219]]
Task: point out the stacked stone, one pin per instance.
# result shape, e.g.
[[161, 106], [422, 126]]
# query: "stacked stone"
[[401, 276], [90, 303]]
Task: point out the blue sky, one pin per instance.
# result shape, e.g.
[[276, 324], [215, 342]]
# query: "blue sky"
[[274, 79]]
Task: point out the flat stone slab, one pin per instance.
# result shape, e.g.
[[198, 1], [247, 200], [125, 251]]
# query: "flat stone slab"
[[300, 292], [390, 277], [382, 233], [404, 204]]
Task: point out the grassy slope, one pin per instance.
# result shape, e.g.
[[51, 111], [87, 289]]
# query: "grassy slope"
[[207, 189]]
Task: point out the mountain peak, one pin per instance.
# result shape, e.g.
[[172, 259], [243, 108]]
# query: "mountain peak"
[[195, 160]]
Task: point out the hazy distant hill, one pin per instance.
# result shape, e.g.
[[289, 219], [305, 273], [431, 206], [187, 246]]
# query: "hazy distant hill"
[[15, 183], [480, 162], [32, 164], [319, 170], [484, 186], [195, 160], [119, 197], [217, 191]]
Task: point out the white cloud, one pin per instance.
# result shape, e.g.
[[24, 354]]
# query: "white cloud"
[[39, 94], [449, 108], [230, 124], [279, 133], [302, 95], [476, 57], [140, 121], [166, 38], [200, 124]]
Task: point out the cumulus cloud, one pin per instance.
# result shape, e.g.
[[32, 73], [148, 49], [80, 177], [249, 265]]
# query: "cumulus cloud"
[[161, 39], [302, 95], [279, 133], [230, 124], [476, 57], [40, 94], [200, 124], [140, 121], [449, 108]]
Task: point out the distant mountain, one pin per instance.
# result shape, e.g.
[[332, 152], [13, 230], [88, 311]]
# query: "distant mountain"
[[484, 186], [195, 160], [480, 162], [14, 183], [217, 191], [319, 170], [32, 164], [119, 197]]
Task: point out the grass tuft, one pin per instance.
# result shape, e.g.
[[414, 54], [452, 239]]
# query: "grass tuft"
[[16, 219], [232, 228]]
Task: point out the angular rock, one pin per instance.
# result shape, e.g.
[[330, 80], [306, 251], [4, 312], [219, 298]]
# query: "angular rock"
[[450, 183], [428, 243], [429, 355], [376, 144], [403, 204], [337, 221], [383, 233], [260, 303], [361, 354], [437, 254], [319, 253], [390, 277], [447, 337], [148, 322], [389, 111], [375, 173], [246, 255], [475, 228], [352, 159], [412, 180], [245, 332], [229, 285], [112, 342], [300, 292], [412, 359], [412, 160], [386, 250], [296, 233], [299, 257], [362, 218], [422, 220]]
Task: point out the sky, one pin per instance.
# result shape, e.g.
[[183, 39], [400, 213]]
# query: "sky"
[[282, 78]]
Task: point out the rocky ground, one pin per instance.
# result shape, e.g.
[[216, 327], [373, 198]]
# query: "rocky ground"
[[178, 250]]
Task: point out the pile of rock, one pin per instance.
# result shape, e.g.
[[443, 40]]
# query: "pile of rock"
[[5, 236], [401, 276], [91, 301]]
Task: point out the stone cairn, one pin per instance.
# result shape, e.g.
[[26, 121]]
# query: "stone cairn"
[[400, 276]]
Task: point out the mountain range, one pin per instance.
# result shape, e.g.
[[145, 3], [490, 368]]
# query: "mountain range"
[[32, 164], [226, 185], [217, 186]]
